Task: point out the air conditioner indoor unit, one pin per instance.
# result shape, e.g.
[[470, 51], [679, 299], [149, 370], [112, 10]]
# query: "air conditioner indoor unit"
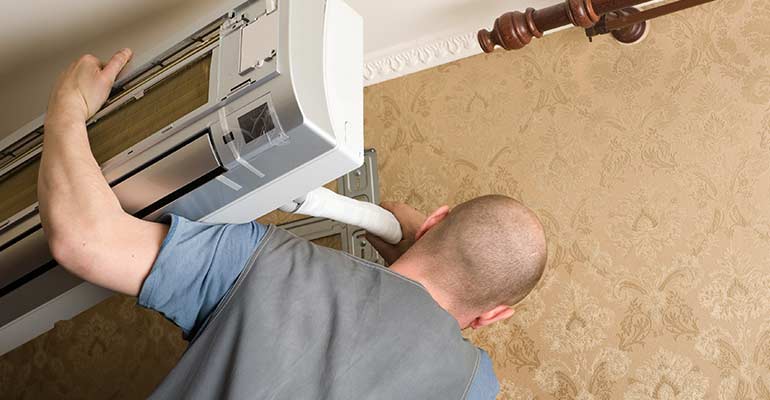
[[231, 119]]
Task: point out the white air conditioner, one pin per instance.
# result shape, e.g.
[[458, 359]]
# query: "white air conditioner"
[[232, 119]]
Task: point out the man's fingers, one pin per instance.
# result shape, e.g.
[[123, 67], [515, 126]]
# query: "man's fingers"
[[116, 64], [378, 243], [374, 240], [386, 250], [391, 205]]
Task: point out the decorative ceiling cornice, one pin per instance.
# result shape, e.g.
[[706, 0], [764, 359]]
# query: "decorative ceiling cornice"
[[413, 57]]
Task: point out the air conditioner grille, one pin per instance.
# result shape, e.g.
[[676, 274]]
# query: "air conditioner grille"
[[161, 105]]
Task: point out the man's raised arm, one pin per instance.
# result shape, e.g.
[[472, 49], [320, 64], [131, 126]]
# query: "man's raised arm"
[[88, 232]]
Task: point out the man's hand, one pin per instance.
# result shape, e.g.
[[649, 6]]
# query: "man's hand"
[[82, 89], [410, 219]]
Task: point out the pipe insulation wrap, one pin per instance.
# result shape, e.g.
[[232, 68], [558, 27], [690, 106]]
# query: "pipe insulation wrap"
[[325, 203]]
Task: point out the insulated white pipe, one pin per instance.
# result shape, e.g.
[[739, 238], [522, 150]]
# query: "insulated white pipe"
[[325, 203]]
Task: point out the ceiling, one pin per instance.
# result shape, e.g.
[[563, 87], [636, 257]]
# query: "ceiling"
[[40, 39]]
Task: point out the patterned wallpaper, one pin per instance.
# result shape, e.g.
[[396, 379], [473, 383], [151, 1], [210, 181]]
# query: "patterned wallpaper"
[[115, 350], [649, 166]]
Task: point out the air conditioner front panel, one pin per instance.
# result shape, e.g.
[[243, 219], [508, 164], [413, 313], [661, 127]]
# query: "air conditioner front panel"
[[169, 174]]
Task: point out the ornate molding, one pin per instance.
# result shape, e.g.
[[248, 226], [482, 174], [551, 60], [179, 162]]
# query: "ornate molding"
[[409, 59], [412, 57], [417, 55]]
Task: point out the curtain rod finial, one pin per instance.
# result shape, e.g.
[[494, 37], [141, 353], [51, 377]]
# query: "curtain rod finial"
[[512, 30]]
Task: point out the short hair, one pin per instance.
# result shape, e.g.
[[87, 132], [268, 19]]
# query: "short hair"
[[488, 251]]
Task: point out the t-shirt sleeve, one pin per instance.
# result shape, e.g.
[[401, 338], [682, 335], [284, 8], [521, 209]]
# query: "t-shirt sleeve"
[[484, 385], [197, 264]]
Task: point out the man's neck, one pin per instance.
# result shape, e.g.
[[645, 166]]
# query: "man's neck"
[[412, 270]]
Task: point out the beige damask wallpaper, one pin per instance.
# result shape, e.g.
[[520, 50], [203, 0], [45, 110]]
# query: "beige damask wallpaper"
[[649, 166]]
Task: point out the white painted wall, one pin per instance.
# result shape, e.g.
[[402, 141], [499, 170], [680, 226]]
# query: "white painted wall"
[[27, 72]]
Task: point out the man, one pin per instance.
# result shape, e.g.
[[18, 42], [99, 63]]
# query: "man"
[[271, 316]]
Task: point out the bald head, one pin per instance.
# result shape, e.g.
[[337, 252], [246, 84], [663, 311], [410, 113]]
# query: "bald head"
[[487, 251]]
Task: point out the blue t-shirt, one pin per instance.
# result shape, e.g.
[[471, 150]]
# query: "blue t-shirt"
[[197, 265]]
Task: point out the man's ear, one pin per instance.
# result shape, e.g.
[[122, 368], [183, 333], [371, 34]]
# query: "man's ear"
[[433, 219], [498, 313]]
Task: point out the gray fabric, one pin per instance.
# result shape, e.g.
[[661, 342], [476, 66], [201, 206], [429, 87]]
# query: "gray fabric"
[[306, 322]]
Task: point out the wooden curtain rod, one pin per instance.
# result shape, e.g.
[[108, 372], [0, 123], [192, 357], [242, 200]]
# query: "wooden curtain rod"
[[514, 30], [659, 11]]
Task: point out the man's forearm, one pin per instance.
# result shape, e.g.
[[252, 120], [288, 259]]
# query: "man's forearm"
[[72, 192], [88, 232]]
